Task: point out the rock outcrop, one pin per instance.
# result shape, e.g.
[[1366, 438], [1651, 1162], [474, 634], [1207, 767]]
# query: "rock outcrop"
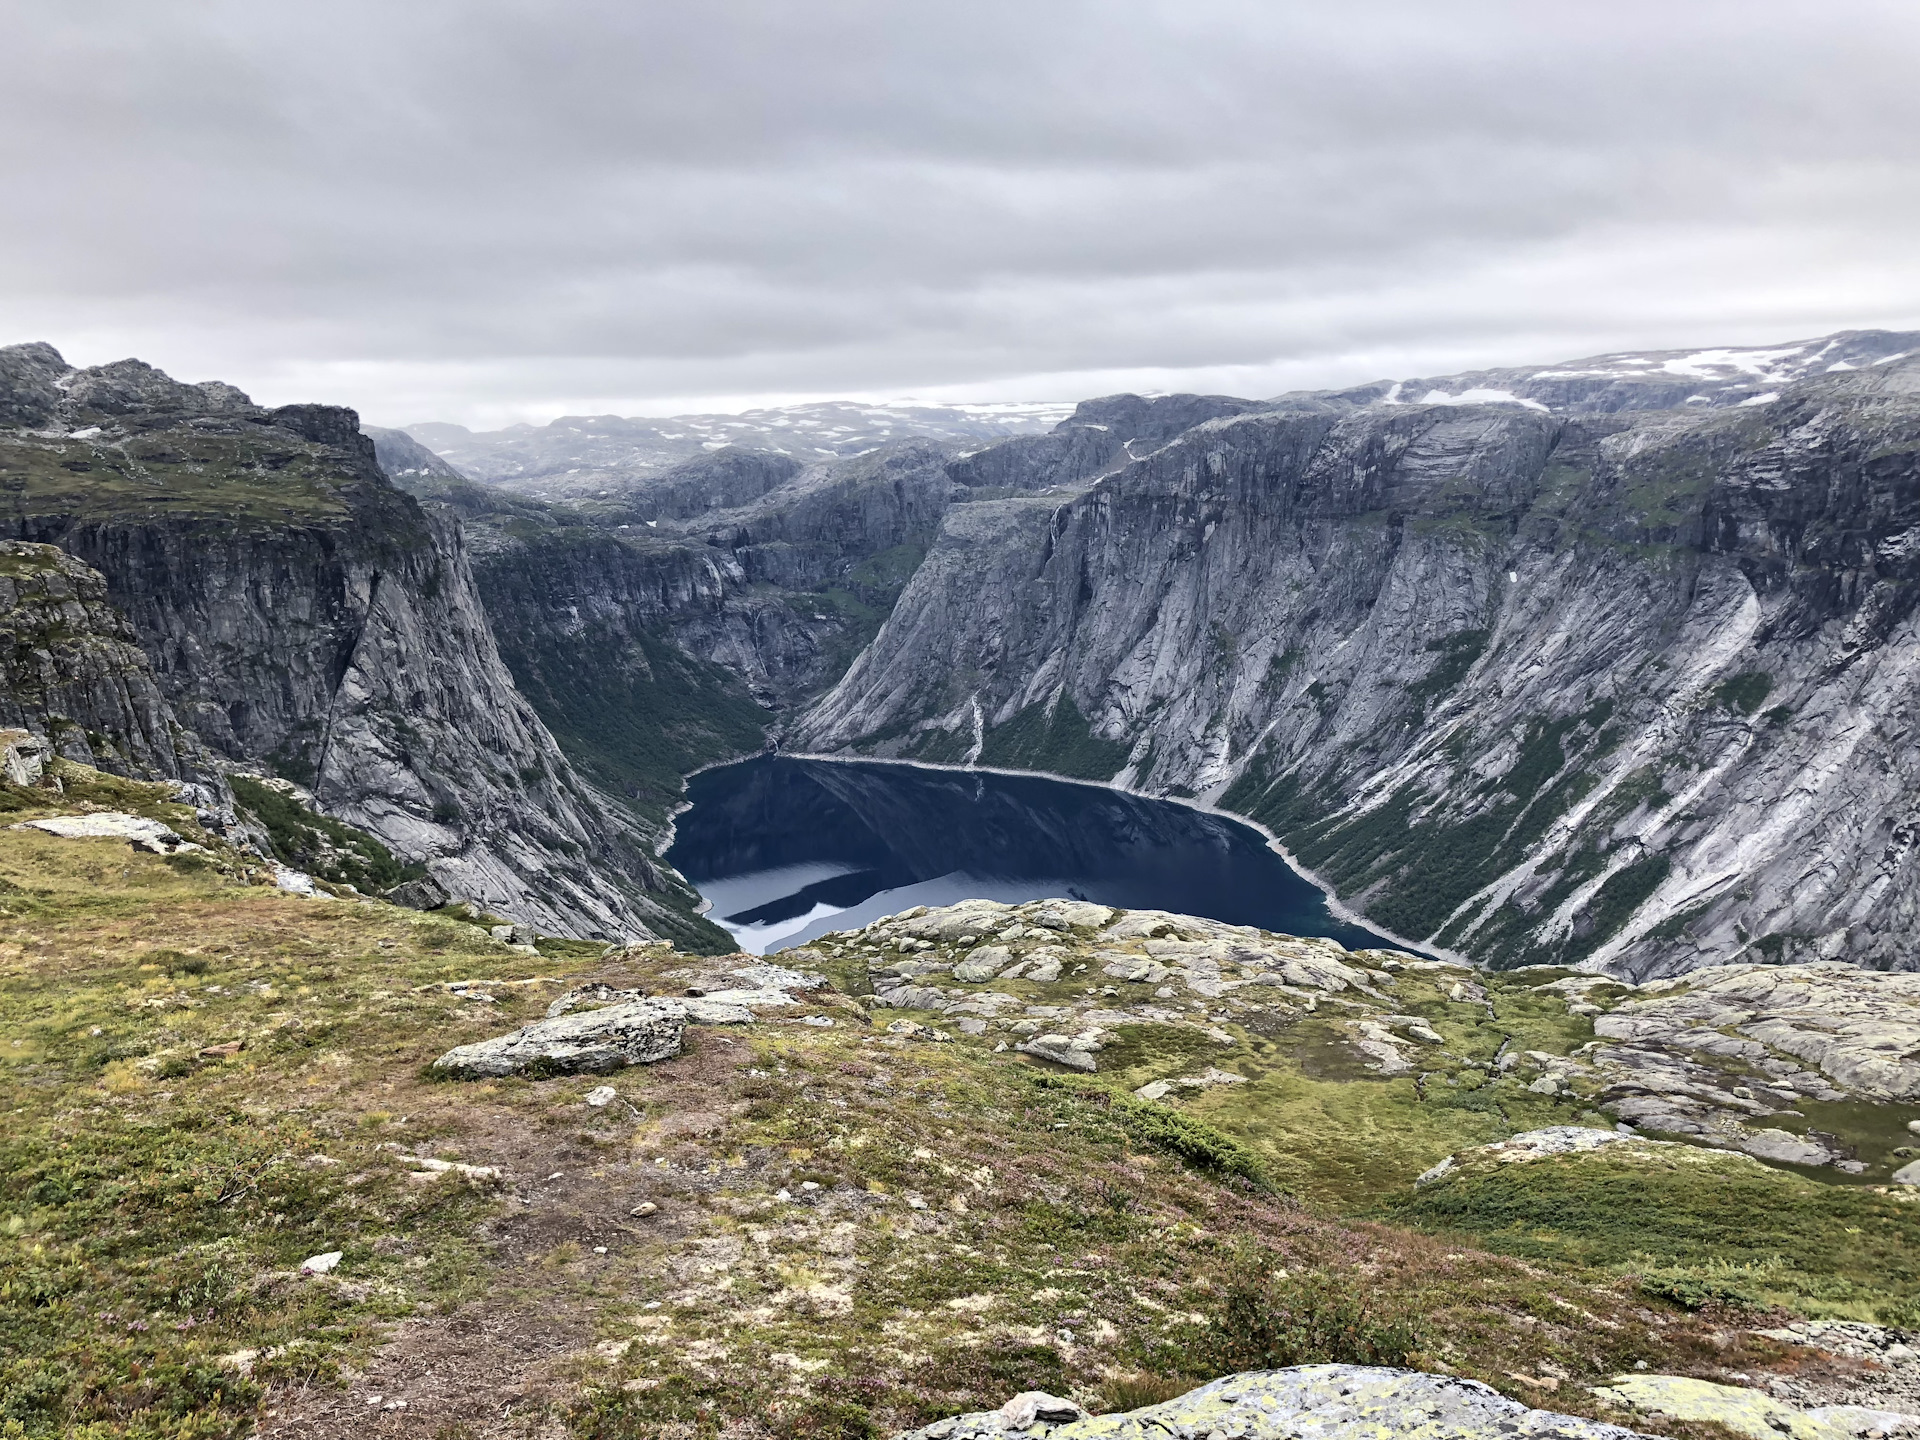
[[1306, 1402], [72, 671], [1624, 688], [634, 1032], [1721, 1061], [302, 615]]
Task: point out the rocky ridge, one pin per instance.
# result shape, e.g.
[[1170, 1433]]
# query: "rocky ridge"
[[302, 616], [580, 455]]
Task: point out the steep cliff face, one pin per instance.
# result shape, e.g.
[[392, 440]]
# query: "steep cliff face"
[[72, 670], [302, 614], [1633, 691]]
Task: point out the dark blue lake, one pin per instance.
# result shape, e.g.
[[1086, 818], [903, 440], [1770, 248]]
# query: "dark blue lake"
[[789, 849]]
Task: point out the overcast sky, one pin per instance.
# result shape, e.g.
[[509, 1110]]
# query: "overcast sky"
[[489, 210]]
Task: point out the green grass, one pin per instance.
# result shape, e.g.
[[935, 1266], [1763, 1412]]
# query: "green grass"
[[1783, 1239], [156, 1193]]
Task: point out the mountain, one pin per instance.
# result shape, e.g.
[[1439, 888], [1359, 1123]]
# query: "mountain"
[[305, 618], [672, 624], [580, 456], [1573, 681], [1650, 379]]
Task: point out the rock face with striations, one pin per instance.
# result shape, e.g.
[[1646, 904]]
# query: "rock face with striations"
[[302, 614], [1631, 689]]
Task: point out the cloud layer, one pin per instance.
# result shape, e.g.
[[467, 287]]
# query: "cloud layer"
[[495, 210]]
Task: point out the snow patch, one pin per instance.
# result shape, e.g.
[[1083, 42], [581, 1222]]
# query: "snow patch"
[[1479, 396]]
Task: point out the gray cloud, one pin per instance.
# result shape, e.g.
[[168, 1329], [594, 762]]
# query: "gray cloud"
[[496, 210]]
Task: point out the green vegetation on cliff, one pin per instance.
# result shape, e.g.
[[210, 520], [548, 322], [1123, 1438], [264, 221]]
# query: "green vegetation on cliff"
[[636, 722], [1054, 739]]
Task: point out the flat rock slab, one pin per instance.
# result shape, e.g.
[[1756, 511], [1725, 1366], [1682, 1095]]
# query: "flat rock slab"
[[1305, 1402], [112, 825], [638, 1032]]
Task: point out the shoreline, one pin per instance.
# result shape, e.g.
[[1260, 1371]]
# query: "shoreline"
[[1335, 906]]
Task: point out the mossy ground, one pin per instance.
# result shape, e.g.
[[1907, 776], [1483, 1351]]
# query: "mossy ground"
[[247, 478], [961, 1225]]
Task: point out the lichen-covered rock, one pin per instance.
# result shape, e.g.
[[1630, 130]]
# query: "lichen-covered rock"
[[1858, 1027], [1306, 1402], [1746, 1412], [1065, 1050], [635, 1032]]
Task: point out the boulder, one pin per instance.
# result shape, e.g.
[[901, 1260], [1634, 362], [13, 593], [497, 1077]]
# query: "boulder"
[[426, 893], [1073, 1053], [636, 1032], [1303, 1401], [983, 964]]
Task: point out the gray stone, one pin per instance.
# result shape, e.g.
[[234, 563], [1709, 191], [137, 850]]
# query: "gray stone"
[[1061, 1050], [426, 893], [141, 833], [1783, 1145], [983, 964], [635, 1032], [1306, 1402]]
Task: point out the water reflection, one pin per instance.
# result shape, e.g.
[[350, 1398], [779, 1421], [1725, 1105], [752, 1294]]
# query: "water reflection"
[[789, 849]]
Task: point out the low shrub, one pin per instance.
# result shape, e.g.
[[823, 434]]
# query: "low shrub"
[[1271, 1319]]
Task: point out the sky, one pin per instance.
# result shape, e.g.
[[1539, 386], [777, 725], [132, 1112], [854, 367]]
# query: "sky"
[[489, 211]]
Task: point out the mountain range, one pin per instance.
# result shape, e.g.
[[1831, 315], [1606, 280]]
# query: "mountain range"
[[1604, 662]]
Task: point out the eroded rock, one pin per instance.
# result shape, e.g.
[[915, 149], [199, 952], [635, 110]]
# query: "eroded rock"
[[634, 1032]]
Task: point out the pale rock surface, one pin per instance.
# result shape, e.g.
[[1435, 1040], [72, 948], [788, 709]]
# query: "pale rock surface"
[[150, 835], [1306, 1402], [634, 1032], [1857, 1027], [1714, 610]]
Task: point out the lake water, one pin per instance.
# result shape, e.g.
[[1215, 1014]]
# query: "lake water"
[[787, 850]]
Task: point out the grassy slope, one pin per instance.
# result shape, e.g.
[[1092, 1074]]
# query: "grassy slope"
[[155, 1200]]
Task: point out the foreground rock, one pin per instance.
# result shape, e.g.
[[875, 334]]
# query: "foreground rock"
[[1858, 1028], [1750, 1412], [635, 1032], [1306, 1402]]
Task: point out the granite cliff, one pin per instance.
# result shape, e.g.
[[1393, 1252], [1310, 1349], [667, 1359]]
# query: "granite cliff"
[[303, 616], [1588, 678]]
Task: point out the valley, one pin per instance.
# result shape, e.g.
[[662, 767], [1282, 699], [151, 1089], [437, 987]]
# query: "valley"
[[374, 1071]]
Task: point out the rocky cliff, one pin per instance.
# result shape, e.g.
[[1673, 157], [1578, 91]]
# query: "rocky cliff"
[[72, 672], [303, 615], [1632, 689]]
